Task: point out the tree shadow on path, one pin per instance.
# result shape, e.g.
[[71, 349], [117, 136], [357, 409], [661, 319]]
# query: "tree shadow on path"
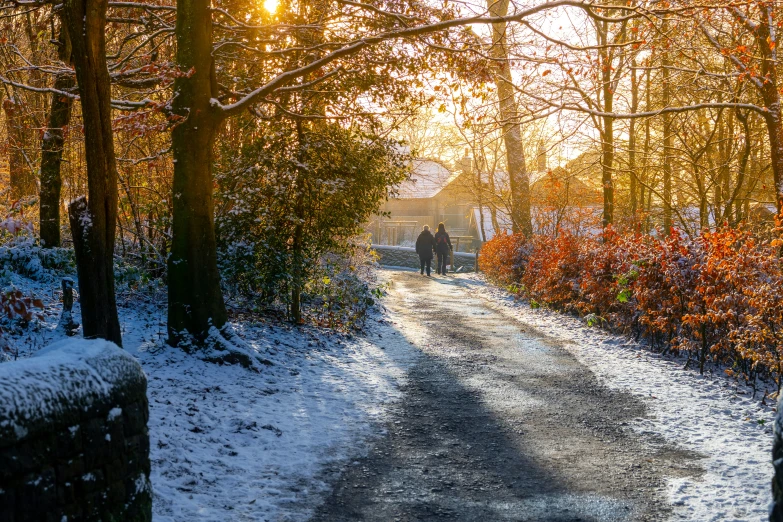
[[499, 424]]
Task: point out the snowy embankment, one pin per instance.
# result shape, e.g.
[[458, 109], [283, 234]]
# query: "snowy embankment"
[[231, 444], [711, 414]]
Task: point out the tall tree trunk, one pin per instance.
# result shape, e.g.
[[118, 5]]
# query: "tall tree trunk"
[[52, 150], [195, 301], [51, 159], [493, 194], [667, 138], [646, 152], [519, 178], [481, 202], [775, 133], [726, 167], [632, 139], [766, 41], [297, 248], [716, 167], [736, 199], [607, 162], [667, 175], [771, 95], [607, 134], [297, 258], [93, 223], [766, 82], [704, 213], [702, 179], [710, 180]]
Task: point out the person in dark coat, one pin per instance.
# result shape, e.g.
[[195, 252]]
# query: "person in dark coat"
[[425, 246], [442, 248]]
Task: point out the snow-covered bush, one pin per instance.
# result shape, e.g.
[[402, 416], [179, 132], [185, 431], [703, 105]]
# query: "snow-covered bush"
[[342, 288], [133, 277], [23, 255], [291, 204]]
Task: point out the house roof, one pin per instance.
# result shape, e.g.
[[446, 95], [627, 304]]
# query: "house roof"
[[427, 179]]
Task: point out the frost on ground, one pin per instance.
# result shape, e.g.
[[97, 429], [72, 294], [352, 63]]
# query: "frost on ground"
[[228, 444], [231, 444], [709, 414]]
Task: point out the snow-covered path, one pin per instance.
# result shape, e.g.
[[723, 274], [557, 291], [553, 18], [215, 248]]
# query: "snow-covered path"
[[519, 414]]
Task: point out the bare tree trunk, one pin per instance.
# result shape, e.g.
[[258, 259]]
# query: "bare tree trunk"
[[195, 300], [770, 92], [725, 169], [701, 172], [52, 149], [607, 162], [766, 81], [297, 251], [93, 222], [519, 178], [667, 139], [775, 132], [607, 134], [647, 131], [716, 162], [479, 184], [704, 217], [710, 154], [632, 140], [51, 159], [296, 269], [735, 200], [493, 209]]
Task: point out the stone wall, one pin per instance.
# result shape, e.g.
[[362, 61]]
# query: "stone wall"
[[407, 257], [73, 436]]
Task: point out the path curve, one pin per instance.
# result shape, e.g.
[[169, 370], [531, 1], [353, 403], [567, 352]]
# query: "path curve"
[[497, 423]]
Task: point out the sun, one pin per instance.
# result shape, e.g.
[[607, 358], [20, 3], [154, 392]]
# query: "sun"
[[271, 5]]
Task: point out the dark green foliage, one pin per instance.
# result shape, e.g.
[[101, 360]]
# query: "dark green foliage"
[[294, 195]]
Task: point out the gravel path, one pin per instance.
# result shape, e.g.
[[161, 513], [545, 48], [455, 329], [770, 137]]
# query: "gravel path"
[[498, 422]]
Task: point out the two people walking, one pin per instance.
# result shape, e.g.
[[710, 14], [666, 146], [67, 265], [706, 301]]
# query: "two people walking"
[[427, 244]]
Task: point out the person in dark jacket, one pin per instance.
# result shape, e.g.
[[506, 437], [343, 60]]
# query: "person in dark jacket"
[[442, 248], [425, 246]]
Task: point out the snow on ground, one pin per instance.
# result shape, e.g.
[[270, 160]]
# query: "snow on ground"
[[228, 444], [707, 414], [231, 444]]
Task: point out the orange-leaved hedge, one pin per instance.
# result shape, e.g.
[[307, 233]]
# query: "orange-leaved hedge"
[[717, 297]]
